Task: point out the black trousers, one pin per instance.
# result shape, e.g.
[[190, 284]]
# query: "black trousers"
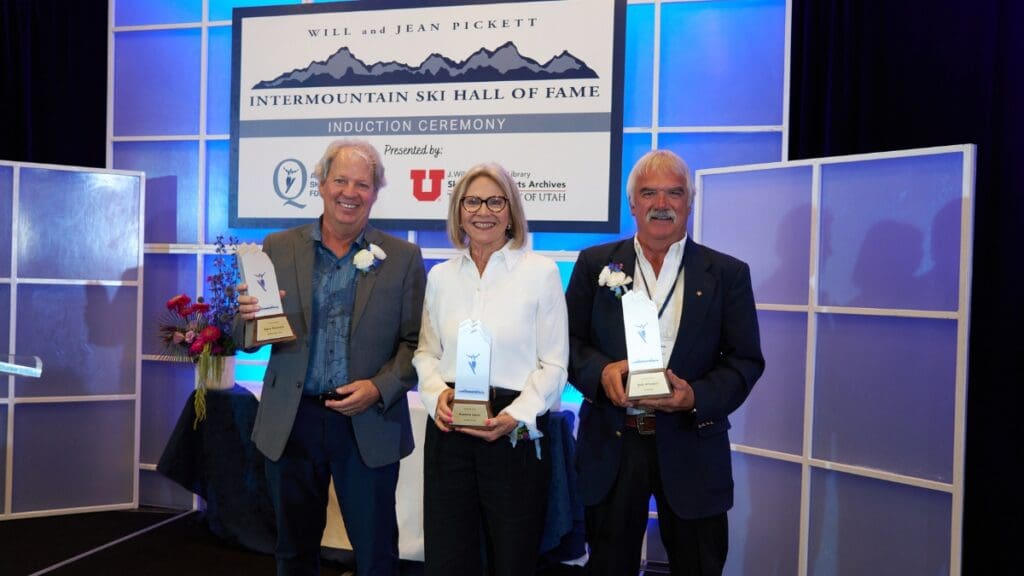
[[322, 445], [483, 504], [615, 526]]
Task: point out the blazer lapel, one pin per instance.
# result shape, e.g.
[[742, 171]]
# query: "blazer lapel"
[[305, 258], [624, 254], [699, 288], [365, 281]]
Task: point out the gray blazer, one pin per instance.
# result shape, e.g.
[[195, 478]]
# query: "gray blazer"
[[384, 333]]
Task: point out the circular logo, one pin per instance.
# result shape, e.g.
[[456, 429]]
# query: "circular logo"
[[290, 181]]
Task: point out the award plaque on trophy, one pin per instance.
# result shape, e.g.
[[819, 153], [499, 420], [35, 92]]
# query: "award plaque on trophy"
[[270, 325], [471, 406], [647, 377]]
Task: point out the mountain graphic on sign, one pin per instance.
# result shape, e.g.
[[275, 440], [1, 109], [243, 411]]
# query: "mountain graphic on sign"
[[504, 63]]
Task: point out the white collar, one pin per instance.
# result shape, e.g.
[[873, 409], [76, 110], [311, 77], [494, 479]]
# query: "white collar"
[[510, 255], [681, 243]]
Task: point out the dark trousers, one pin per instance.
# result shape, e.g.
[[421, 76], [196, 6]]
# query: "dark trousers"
[[482, 499], [322, 445], [615, 527]]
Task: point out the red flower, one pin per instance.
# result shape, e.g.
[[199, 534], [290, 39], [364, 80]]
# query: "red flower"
[[178, 302], [191, 328], [210, 334], [197, 347]]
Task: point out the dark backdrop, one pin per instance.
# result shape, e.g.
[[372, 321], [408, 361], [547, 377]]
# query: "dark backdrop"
[[878, 75], [53, 81], [867, 76]]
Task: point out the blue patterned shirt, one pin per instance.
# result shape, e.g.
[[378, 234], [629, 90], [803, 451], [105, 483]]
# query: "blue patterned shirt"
[[334, 289]]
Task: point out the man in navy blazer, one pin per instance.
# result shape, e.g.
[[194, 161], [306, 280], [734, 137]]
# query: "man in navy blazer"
[[677, 447], [354, 297]]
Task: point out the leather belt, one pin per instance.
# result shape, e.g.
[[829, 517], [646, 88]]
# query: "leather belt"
[[643, 423]]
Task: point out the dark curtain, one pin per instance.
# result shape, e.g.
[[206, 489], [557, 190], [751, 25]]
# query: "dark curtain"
[[880, 75], [53, 81]]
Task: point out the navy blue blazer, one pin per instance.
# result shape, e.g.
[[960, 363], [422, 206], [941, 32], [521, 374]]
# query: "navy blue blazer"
[[717, 350]]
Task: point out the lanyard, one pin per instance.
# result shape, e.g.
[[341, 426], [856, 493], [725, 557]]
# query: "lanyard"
[[647, 286]]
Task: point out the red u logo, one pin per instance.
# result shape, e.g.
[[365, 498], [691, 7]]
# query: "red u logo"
[[418, 176]]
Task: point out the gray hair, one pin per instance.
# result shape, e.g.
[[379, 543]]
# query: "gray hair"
[[663, 162], [361, 148]]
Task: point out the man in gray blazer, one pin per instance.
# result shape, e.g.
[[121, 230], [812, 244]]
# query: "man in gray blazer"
[[353, 295]]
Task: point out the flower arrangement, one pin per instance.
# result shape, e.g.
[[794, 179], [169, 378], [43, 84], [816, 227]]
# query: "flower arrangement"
[[614, 278], [200, 331], [369, 258]]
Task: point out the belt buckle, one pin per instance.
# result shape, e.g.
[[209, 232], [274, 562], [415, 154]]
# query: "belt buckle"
[[641, 424]]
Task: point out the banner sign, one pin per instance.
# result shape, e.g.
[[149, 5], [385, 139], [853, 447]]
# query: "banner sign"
[[437, 87]]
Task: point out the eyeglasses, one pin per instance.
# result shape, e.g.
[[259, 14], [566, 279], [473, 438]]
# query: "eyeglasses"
[[473, 203]]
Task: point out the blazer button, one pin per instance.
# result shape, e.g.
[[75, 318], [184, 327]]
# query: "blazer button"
[[618, 433]]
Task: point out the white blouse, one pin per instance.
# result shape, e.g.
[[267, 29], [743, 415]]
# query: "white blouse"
[[519, 300]]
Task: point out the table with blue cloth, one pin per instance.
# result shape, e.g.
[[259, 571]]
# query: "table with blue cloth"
[[218, 461], [564, 536]]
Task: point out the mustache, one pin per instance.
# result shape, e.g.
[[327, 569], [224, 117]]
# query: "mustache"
[[661, 214]]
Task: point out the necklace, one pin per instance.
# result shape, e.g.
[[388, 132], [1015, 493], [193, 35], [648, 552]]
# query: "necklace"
[[668, 298]]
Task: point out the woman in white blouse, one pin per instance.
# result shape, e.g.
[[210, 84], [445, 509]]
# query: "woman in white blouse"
[[485, 488]]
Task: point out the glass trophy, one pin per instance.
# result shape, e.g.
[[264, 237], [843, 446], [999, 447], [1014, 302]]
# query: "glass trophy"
[[270, 325], [647, 377], [471, 406]]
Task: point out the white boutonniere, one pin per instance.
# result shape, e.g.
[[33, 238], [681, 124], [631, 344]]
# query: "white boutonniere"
[[614, 278], [369, 258]]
